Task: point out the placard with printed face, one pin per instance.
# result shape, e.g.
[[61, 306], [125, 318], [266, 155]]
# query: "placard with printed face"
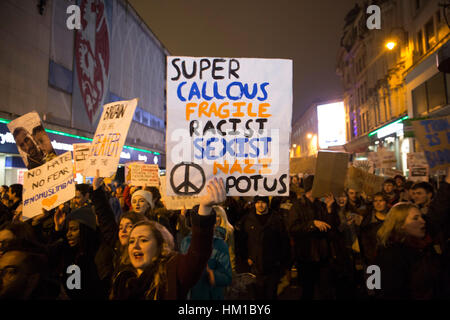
[[110, 137], [32, 141], [228, 118]]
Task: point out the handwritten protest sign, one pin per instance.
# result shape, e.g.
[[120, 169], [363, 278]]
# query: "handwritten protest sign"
[[80, 156], [228, 118], [434, 137], [386, 159], [416, 159], [176, 202], [144, 174], [363, 181], [110, 137], [48, 186], [127, 171], [331, 171], [32, 141]]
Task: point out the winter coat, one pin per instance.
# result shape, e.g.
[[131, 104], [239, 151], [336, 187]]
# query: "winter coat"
[[96, 268], [310, 244], [182, 270], [409, 272], [368, 237], [267, 245], [219, 263], [108, 226]]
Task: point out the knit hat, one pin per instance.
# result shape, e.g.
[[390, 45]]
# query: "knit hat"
[[308, 183], [146, 195], [261, 198], [84, 215]]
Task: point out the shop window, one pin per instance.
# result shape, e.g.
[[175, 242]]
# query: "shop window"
[[430, 39], [436, 91], [419, 96], [420, 42], [430, 95]]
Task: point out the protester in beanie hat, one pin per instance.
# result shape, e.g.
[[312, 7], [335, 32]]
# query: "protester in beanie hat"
[[146, 195], [261, 198], [85, 216]]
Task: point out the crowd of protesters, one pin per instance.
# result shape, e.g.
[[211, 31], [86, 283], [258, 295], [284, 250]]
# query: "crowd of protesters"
[[119, 242]]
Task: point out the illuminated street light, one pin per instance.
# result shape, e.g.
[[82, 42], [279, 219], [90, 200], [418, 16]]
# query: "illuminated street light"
[[309, 135], [391, 45]]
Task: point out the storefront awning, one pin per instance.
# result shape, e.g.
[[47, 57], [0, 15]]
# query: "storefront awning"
[[358, 145]]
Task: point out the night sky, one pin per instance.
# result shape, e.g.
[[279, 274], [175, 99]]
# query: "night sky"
[[306, 31]]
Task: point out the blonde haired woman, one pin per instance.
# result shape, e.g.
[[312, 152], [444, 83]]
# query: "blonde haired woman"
[[226, 231], [410, 268], [157, 271]]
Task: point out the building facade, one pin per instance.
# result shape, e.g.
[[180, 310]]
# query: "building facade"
[[304, 142], [67, 75], [385, 86]]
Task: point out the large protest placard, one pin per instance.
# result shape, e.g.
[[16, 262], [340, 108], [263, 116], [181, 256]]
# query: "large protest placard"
[[363, 181], [434, 137], [228, 118], [331, 172], [48, 186], [110, 137], [32, 141], [176, 202], [80, 156], [303, 165], [144, 175]]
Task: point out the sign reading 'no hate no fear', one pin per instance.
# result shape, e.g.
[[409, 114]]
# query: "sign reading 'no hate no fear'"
[[228, 118], [110, 137], [48, 186]]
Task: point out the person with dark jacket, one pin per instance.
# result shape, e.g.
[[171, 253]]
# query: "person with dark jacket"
[[313, 226], [160, 273], [438, 226], [423, 193], [24, 272], [114, 234], [390, 192], [15, 198], [79, 243], [370, 226], [263, 243], [142, 202], [409, 264]]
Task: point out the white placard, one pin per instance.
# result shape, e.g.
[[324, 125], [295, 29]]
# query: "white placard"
[[228, 118], [144, 174], [80, 156], [48, 186], [110, 137]]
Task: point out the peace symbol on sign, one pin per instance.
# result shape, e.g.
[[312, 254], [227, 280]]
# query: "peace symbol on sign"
[[183, 188]]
